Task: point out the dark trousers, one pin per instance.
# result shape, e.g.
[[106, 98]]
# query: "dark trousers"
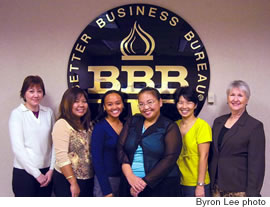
[[61, 186], [25, 185], [189, 191], [168, 187]]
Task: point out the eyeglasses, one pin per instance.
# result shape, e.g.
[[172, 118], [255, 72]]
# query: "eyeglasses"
[[149, 103]]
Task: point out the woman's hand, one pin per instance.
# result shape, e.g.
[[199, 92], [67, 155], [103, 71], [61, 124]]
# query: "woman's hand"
[[109, 195], [199, 191], [41, 179], [68, 173], [48, 175], [134, 193], [136, 183], [74, 189]]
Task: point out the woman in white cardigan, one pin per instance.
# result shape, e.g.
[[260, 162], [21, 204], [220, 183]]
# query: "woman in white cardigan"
[[30, 127]]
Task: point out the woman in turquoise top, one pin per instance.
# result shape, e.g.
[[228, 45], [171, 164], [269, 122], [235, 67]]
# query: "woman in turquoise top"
[[148, 148], [196, 137]]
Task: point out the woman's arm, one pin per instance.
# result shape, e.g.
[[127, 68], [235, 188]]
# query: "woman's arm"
[[97, 150], [256, 161], [136, 183], [61, 136], [203, 161], [53, 153], [121, 154], [173, 146], [16, 132], [68, 173], [49, 173]]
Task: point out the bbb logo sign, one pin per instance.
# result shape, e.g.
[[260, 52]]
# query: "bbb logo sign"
[[138, 45]]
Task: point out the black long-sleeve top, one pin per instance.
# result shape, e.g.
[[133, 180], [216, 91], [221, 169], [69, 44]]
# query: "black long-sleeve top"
[[161, 144]]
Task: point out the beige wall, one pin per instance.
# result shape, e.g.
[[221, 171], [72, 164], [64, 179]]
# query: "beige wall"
[[36, 37]]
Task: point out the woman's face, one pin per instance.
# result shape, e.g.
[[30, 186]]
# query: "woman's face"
[[149, 105], [185, 108], [113, 105], [33, 96], [80, 106], [237, 100]]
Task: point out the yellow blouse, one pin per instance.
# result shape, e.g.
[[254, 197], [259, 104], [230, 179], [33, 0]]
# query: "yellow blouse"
[[188, 160]]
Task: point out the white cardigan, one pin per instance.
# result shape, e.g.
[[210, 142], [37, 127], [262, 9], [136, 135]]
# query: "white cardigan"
[[31, 139]]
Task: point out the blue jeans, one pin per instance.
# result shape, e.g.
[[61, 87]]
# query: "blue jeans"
[[189, 191]]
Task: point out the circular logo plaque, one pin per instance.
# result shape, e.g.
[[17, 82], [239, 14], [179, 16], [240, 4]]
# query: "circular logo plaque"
[[138, 45]]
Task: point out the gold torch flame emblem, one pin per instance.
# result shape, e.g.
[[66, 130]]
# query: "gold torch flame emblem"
[[127, 43]]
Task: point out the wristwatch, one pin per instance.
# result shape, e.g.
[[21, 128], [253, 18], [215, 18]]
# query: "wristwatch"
[[200, 184]]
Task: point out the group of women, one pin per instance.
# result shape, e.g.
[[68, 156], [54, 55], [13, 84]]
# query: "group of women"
[[143, 155]]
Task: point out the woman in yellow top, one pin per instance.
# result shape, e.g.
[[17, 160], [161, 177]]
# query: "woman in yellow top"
[[196, 136]]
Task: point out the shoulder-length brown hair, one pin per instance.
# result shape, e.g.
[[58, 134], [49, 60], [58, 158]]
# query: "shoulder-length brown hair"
[[65, 108], [30, 81]]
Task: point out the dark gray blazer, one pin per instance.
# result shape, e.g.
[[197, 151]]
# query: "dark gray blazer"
[[240, 164]]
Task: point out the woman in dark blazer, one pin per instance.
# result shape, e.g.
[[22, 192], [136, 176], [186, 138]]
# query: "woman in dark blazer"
[[237, 154]]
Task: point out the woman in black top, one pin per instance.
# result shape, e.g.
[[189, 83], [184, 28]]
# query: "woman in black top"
[[148, 148]]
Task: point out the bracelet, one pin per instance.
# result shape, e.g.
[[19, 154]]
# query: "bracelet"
[[200, 184], [71, 176]]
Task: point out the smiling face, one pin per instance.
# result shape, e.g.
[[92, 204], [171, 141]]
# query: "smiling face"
[[113, 105], [149, 105], [237, 100], [185, 108], [80, 106], [33, 97]]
